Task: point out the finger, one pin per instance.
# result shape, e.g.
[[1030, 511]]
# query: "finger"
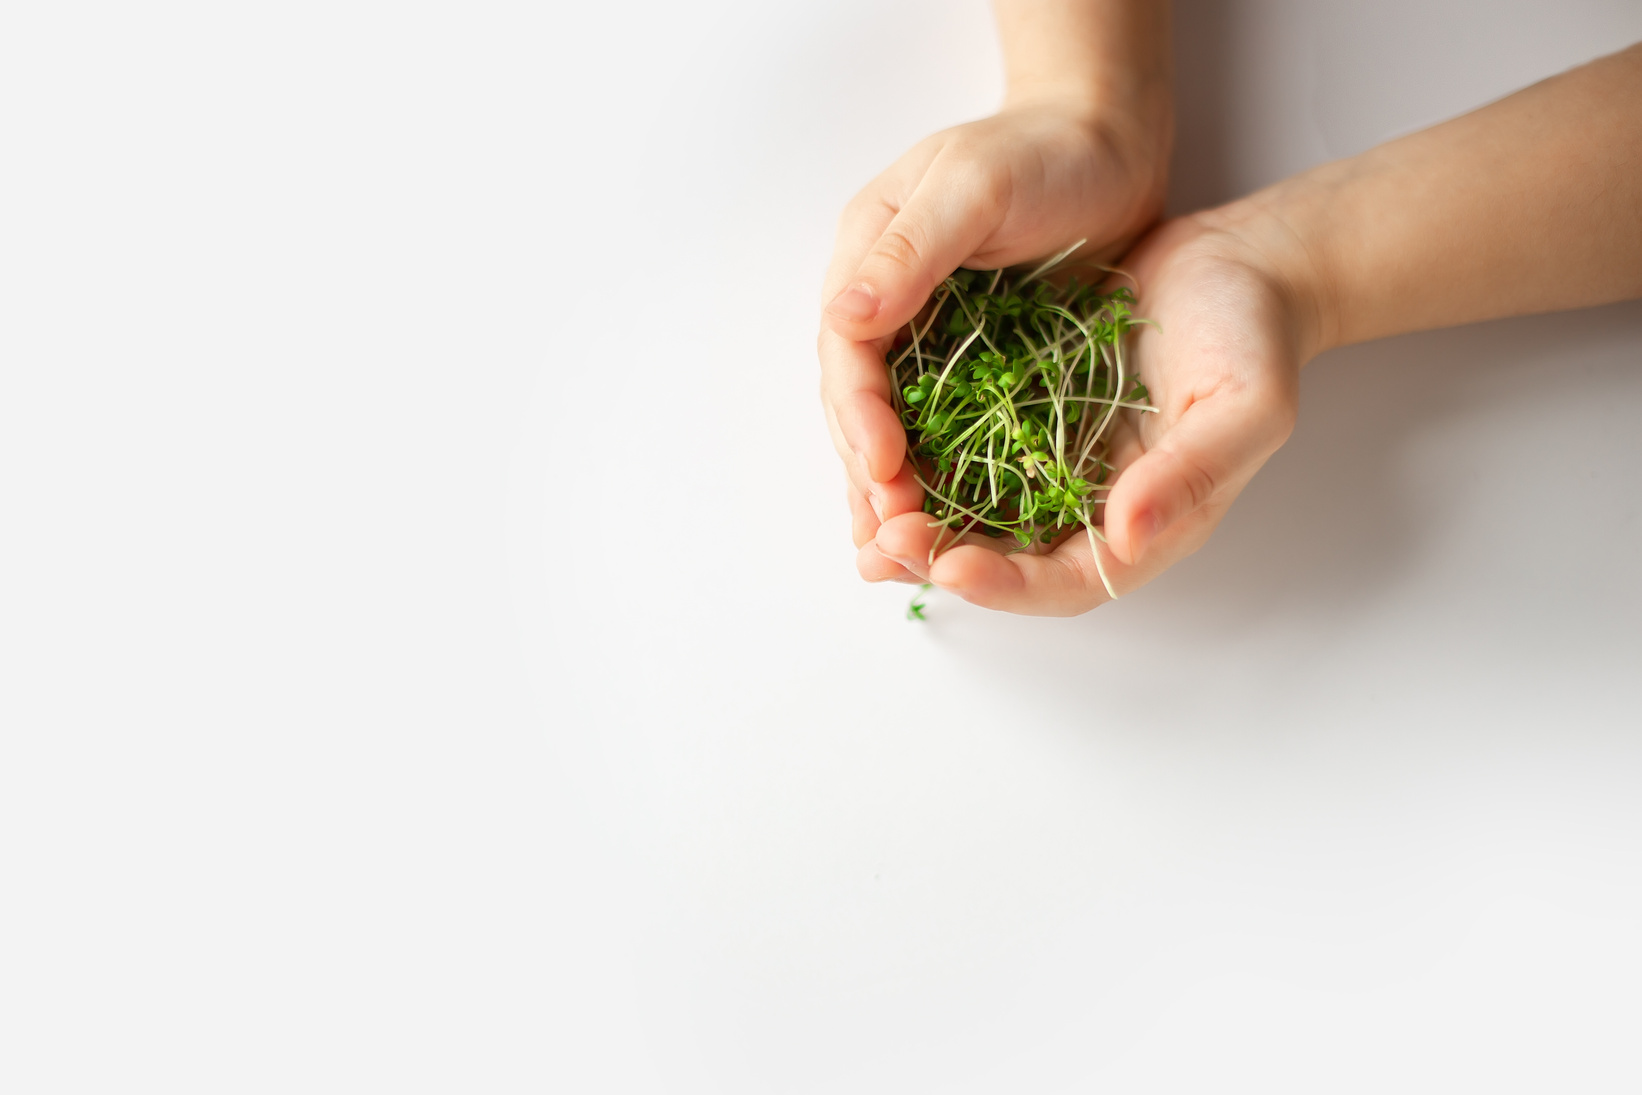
[[1210, 452], [875, 566], [870, 212], [906, 538], [1065, 582], [855, 393], [956, 206], [902, 494], [859, 226], [863, 521], [1062, 582]]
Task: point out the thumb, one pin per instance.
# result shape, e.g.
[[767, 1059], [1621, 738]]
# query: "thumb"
[[1215, 446], [945, 221]]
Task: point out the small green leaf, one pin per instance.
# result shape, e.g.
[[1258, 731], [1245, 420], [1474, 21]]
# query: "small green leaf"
[[915, 610]]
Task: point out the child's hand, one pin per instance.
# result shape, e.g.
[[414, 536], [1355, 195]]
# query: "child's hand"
[[1223, 369], [1080, 151], [1013, 187]]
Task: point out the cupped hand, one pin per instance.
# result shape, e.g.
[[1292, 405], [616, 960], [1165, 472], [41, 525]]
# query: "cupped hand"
[[1017, 186], [1235, 322]]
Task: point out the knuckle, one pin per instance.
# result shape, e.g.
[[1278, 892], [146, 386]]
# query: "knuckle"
[[985, 186], [864, 202], [1200, 480], [1079, 571], [1085, 580], [898, 247]]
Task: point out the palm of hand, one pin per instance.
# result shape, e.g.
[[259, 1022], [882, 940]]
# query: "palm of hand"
[[1222, 367]]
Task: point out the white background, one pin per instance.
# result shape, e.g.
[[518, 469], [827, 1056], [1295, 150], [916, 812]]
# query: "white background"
[[431, 657]]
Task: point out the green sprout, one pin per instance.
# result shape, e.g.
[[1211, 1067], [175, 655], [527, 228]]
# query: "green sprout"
[[1008, 386], [915, 610]]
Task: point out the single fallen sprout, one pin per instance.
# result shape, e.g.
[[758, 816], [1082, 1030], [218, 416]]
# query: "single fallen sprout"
[[1009, 387]]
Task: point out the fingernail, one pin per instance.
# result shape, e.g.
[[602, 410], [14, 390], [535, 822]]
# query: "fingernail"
[[891, 558], [856, 305], [877, 501], [866, 468]]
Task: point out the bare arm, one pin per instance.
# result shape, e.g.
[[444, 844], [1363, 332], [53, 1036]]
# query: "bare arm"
[[1530, 204], [1099, 51]]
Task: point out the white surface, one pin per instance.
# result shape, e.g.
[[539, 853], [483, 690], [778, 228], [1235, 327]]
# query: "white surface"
[[376, 715]]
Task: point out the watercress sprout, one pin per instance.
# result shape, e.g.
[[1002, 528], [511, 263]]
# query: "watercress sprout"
[[1008, 385]]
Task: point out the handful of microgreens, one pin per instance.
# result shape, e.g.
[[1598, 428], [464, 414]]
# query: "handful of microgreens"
[[1008, 386]]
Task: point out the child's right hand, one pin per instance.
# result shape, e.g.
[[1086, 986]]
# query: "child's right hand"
[[1020, 185]]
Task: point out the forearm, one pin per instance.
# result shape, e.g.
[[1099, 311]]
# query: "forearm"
[[1530, 204], [1107, 53]]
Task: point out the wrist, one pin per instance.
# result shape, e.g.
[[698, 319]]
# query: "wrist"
[[1110, 55], [1133, 91], [1286, 231], [1134, 101], [1124, 146]]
